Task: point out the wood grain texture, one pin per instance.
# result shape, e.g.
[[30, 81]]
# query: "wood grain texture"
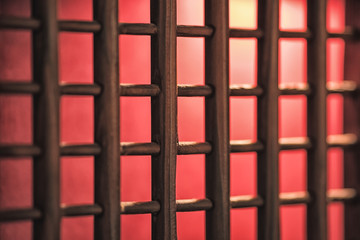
[[351, 122], [107, 163], [316, 121], [217, 120], [267, 120], [164, 117], [46, 182]]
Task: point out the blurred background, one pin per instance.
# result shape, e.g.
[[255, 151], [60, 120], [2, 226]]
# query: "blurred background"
[[77, 124]]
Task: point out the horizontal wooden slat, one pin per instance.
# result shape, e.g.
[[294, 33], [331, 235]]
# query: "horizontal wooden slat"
[[64, 25], [342, 87], [237, 146], [80, 210], [294, 89], [189, 205], [294, 198], [185, 205], [8, 22], [149, 90], [65, 150], [19, 23], [292, 34], [341, 195], [129, 148], [350, 33], [137, 28], [346, 87], [79, 26], [19, 214], [184, 148], [139, 207], [19, 150], [80, 89], [135, 90], [153, 148], [194, 31], [294, 143], [19, 87], [245, 90], [246, 201], [194, 90], [245, 33], [342, 140], [80, 150]]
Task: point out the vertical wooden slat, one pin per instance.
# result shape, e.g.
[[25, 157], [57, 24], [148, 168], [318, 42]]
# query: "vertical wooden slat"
[[217, 120], [46, 121], [164, 117], [267, 119], [316, 104], [107, 163], [351, 122]]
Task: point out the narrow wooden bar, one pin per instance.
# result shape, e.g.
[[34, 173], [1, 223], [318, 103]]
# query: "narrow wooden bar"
[[237, 146], [194, 90], [80, 89], [294, 143], [46, 177], [80, 210], [294, 198], [139, 148], [192, 205], [164, 117], [194, 31], [107, 163], [137, 28], [351, 122], [246, 201], [19, 87], [245, 33], [347, 140], [140, 207], [79, 26], [292, 34], [184, 205], [350, 33], [217, 120], [316, 105], [267, 120], [19, 214], [245, 90], [19, 150], [194, 148], [345, 87], [19, 23], [80, 150], [295, 89], [139, 90], [342, 195]]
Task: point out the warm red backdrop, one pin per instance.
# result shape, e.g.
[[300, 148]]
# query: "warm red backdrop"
[[76, 59]]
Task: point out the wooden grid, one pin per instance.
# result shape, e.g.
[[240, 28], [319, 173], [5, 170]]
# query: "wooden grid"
[[164, 90]]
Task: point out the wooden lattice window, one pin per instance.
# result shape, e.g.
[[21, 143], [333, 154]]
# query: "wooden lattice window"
[[46, 149]]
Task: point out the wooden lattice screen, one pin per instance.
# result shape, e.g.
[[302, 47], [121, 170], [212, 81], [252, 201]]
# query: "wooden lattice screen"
[[164, 91]]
